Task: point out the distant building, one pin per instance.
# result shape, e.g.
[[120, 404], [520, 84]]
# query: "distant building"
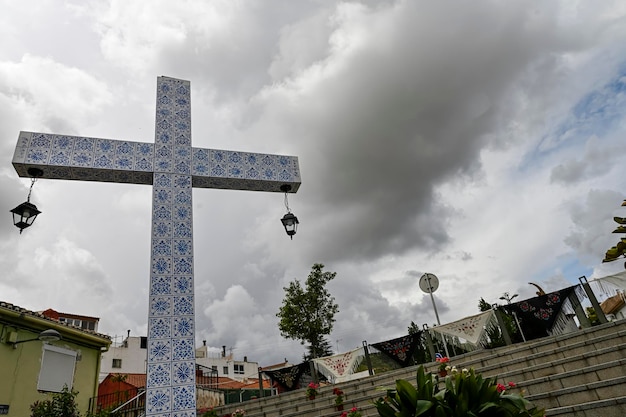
[[225, 365], [128, 357], [82, 322], [30, 368]]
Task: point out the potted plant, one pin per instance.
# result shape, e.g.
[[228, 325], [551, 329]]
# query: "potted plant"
[[311, 390], [443, 365], [238, 413], [338, 398], [354, 412], [466, 393]]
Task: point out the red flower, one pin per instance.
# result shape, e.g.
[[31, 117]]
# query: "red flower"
[[500, 387], [512, 385]]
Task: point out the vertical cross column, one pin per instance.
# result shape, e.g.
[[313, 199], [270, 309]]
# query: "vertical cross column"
[[171, 389]]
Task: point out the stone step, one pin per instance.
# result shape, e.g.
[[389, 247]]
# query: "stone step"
[[586, 375], [580, 394], [614, 407], [579, 373], [521, 370], [588, 363], [503, 359]]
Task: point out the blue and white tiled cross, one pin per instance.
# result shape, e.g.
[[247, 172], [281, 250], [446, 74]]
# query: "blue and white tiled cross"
[[172, 166]]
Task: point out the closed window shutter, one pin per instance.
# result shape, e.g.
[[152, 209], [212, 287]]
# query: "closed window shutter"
[[57, 369]]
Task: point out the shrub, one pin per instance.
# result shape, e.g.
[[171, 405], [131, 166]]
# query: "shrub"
[[464, 394], [61, 404]]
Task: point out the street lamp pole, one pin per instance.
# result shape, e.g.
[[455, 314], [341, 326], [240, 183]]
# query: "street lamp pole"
[[429, 283]]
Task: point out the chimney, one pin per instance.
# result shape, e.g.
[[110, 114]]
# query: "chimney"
[[128, 333], [224, 351], [204, 343], [245, 359]]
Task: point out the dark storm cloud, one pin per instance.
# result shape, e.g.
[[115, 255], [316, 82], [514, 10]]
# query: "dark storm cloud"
[[407, 99]]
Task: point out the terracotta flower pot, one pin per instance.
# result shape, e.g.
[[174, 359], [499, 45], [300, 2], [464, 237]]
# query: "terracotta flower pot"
[[339, 407], [443, 373], [311, 397]]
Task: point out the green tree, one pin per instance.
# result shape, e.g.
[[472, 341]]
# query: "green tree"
[[494, 333], [593, 316], [308, 314], [323, 349], [421, 354], [62, 404]]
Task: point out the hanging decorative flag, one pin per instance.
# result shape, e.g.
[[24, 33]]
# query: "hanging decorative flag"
[[537, 315], [400, 349], [289, 377], [333, 367], [472, 329]]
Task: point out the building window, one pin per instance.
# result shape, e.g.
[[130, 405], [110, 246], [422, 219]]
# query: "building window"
[[143, 342], [117, 363], [226, 370], [88, 325], [57, 369], [238, 369]]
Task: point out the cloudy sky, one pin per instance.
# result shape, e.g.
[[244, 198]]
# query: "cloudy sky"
[[479, 141]]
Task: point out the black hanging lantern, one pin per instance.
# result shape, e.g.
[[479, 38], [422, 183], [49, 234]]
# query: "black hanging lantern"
[[290, 221], [25, 214]]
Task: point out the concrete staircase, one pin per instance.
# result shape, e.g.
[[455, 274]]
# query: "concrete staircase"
[[580, 374]]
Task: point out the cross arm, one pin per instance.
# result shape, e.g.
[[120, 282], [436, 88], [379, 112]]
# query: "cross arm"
[[107, 160]]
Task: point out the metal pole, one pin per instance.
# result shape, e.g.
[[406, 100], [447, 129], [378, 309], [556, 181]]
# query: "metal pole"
[[261, 391], [429, 342], [518, 326], [443, 336], [433, 300], [593, 299], [505, 332], [368, 360]]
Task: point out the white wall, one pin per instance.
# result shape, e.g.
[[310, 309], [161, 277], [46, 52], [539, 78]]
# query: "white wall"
[[134, 361], [212, 359], [134, 358]]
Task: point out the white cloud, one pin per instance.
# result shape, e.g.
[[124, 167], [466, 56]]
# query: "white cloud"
[[465, 140]]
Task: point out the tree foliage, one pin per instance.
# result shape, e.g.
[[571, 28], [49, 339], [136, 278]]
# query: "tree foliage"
[[321, 350], [495, 333], [61, 404], [421, 354], [307, 314]]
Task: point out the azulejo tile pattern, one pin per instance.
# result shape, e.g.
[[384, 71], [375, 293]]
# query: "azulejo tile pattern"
[[171, 359], [173, 167], [95, 159]]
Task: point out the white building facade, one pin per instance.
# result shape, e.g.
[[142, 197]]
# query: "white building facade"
[[130, 357], [225, 365]]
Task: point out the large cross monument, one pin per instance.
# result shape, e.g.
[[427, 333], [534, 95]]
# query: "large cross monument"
[[172, 166]]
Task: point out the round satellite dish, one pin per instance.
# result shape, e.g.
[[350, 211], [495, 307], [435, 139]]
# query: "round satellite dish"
[[429, 283]]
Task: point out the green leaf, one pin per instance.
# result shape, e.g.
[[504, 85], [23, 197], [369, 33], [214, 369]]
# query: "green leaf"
[[439, 411], [422, 406], [406, 393], [384, 409]]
